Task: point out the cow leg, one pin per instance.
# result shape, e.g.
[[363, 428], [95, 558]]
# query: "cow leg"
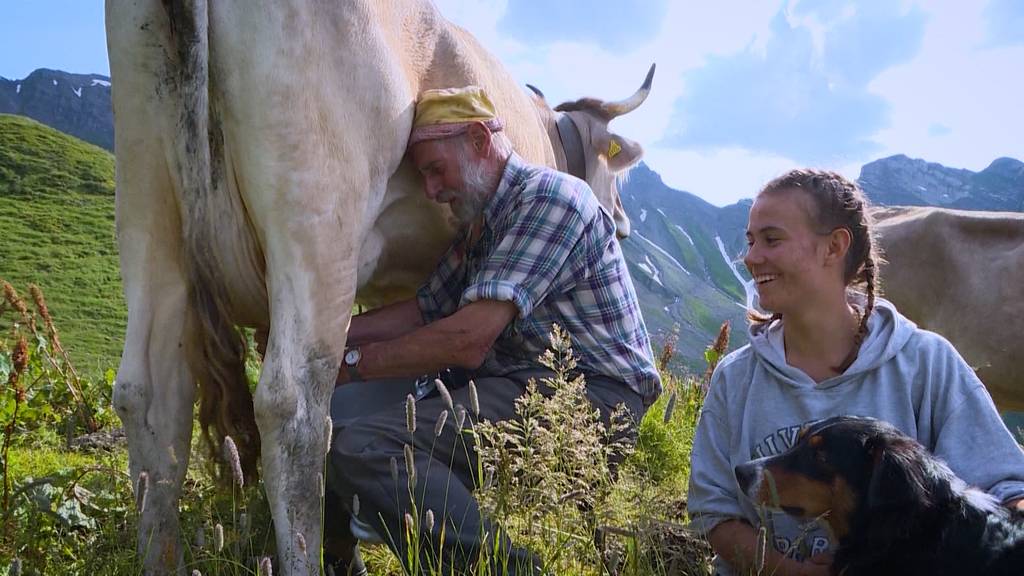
[[154, 391], [311, 298]]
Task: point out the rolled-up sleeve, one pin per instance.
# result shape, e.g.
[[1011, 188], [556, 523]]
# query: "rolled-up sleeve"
[[541, 247]]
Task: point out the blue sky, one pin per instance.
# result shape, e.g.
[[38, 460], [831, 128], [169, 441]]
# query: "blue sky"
[[63, 34], [745, 89]]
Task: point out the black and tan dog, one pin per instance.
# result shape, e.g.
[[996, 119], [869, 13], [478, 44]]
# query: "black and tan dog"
[[893, 507]]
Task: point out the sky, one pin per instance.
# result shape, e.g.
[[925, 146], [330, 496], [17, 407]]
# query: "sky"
[[744, 90]]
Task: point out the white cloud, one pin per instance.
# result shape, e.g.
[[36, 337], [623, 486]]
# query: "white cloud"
[[568, 70], [956, 81], [721, 176], [962, 83]]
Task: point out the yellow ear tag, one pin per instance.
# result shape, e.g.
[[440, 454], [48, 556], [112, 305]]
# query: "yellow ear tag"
[[613, 148]]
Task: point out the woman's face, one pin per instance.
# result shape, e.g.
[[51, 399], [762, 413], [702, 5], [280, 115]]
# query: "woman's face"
[[785, 254]]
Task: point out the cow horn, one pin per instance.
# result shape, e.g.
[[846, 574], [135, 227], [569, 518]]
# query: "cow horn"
[[613, 109]]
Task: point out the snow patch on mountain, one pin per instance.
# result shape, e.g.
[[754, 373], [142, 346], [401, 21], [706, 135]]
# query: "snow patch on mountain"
[[663, 252]]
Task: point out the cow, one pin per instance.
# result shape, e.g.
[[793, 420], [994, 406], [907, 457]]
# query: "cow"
[[961, 274], [261, 182]]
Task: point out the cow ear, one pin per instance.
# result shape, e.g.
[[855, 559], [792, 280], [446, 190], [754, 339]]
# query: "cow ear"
[[620, 153]]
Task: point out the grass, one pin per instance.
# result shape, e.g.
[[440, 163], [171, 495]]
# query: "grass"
[[57, 223], [73, 512], [69, 511]]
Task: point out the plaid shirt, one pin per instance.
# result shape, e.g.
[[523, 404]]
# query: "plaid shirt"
[[548, 247]]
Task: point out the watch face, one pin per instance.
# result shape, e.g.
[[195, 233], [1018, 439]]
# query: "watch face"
[[352, 357]]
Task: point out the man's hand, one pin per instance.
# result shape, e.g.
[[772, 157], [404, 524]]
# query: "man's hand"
[[1016, 504], [462, 339]]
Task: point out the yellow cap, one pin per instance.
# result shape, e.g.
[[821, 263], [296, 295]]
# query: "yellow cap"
[[448, 112], [451, 105]]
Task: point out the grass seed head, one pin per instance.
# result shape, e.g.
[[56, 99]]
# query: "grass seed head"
[[474, 400], [410, 413], [141, 491], [441, 419], [410, 465], [444, 393], [231, 456], [460, 416]]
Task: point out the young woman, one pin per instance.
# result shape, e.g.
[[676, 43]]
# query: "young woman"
[[830, 347]]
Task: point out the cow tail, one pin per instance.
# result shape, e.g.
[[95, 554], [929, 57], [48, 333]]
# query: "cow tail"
[[215, 348]]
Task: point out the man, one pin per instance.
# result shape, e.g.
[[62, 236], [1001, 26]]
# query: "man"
[[535, 248]]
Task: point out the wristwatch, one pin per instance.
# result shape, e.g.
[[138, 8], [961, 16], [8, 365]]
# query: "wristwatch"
[[351, 362]]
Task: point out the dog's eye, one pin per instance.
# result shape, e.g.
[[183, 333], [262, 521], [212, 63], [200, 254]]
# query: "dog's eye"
[[820, 457]]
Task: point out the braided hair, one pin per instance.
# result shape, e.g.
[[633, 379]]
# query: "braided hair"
[[836, 203]]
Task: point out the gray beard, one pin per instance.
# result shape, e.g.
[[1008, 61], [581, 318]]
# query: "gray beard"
[[476, 192], [468, 209]]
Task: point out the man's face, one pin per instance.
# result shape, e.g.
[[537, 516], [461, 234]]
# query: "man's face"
[[454, 173]]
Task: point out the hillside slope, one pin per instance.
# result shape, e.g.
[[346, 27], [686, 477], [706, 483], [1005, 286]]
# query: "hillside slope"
[[57, 231]]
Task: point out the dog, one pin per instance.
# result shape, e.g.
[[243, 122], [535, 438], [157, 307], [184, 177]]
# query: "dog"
[[892, 507]]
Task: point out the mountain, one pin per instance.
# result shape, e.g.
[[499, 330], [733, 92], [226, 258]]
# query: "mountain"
[[76, 104], [683, 254], [901, 180], [57, 231]]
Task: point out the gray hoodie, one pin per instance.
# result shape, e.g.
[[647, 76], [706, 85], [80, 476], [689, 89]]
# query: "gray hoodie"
[[910, 377]]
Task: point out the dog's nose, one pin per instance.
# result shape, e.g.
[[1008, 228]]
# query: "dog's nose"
[[745, 475]]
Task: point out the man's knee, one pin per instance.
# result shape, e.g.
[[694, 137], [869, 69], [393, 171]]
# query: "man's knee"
[[351, 442]]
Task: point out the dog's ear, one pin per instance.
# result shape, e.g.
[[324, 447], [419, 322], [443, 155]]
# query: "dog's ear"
[[898, 480]]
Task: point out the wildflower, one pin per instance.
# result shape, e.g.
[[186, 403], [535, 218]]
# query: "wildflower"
[[444, 393], [197, 573], [430, 520], [266, 568], [474, 400], [716, 351], [460, 415], [355, 504], [410, 413], [44, 311], [15, 569], [141, 490], [200, 538], [669, 348], [394, 470], [670, 407], [231, 455], [18, 304], [441, 419], [19, 359], [218, 537], [300, 541]]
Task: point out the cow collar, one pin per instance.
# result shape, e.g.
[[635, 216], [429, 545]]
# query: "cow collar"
[[572, 145]]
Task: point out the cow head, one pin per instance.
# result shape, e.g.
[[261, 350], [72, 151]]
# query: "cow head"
[[591, 151]]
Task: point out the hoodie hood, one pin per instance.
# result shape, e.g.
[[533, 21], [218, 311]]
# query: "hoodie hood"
[[888, 332]]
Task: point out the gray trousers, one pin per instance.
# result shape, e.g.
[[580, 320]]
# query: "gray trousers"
[[370, 430]]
